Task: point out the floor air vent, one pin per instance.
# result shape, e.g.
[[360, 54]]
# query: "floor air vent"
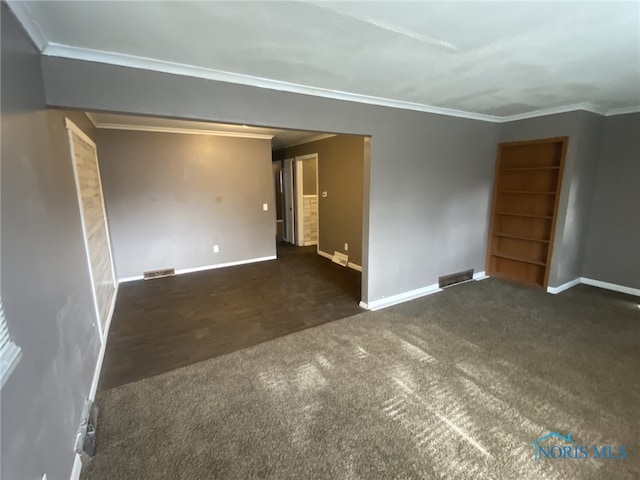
[[448, 280], [340, 258], [166, 272]]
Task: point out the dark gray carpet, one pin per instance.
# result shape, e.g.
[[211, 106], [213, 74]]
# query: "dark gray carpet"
[[454, 385]]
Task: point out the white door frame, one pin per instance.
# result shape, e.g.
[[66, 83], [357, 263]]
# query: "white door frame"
[[72, 129], [289, 201], [299, 195]]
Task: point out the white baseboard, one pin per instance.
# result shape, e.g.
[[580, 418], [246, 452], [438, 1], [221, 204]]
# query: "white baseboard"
[[77, 467], [564, 286], [325, 254], [354, 266], [77, 462], [206, 267], [224, 265], [130, 279], [401, 297], [594, 283], [351, 265], [611, 286], [480, 276]]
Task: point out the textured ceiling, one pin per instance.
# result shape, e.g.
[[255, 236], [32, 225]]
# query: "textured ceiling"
[[487, 58], [280, 138]]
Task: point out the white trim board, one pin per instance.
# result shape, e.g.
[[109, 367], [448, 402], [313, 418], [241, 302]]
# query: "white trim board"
[[103, 347], [77, 462], [206, 267], [480, 276], [413, 294], [610, 286], [594, 283], [351, 265], [563, 287], [401, 297], [184, 131], [315, 138], [53, 49]]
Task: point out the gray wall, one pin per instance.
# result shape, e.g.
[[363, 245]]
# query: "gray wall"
[[429, 178], [613, 241], [341, 175], [45, 276], [171, 197], [574, 210]]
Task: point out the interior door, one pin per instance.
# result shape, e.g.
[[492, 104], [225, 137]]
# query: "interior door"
[[289, 202]]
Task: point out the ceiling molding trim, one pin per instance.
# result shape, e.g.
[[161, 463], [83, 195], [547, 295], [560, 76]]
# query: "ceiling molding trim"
[[315, 138], [92, 118], [99, 56], [186, 131], [22, 12], [623, 110], [553, 111]]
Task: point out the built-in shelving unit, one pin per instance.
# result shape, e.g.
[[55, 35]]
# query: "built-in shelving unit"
[[525, 203]]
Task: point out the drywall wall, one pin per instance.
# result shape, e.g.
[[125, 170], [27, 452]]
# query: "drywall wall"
[[583, 129], [613, 241], [171, 197], [428, 178], [46, 287], [341, 175]]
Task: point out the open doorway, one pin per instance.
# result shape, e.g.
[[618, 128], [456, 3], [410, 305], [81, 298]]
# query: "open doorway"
[[306, 200], [208, 202]]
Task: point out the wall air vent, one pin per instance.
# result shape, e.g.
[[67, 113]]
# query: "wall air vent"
[[165, 272], [454, 278]]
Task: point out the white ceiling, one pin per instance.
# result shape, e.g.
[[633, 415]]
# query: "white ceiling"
[[279, 138], [484, 58]]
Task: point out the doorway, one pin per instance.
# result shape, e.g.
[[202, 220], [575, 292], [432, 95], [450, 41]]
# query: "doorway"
[[289, 203], [306, 196]]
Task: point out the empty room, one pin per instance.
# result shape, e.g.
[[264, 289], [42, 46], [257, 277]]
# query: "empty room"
[[320, 240]]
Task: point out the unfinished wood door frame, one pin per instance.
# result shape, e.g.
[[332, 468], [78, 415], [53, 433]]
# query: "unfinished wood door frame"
[[299, 194], [563, 141], [73, 129]]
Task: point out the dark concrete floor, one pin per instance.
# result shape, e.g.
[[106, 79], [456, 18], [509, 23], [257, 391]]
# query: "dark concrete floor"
[[159, 325]]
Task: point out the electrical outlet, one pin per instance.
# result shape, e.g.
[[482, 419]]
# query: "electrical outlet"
[[346, 247], [265, 206], [216, 249]]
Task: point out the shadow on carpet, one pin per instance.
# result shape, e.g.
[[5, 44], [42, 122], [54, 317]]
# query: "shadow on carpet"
[[454, 385]]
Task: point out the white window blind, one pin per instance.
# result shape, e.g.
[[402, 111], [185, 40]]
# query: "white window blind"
[[9, 351]]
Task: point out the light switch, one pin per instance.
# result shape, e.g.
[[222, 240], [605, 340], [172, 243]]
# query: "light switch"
[[324, 194], [216, 249], [265, 206], [346, 247]]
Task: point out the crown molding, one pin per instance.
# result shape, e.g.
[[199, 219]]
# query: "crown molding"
[[623, 111], [184, 131], [315, 138], [22, 11], [92, 119], [132, 61], [588, 107]]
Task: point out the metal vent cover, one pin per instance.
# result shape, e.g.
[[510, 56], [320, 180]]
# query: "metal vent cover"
[[165, 272], [454, 278]]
